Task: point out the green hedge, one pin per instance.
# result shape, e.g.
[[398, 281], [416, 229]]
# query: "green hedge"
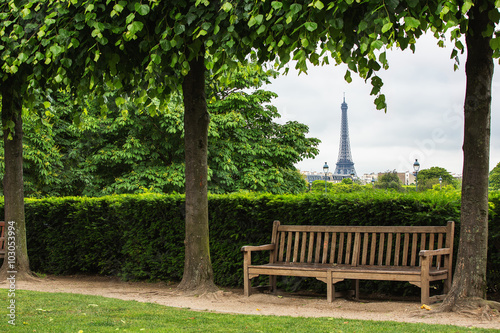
[[140, 237]]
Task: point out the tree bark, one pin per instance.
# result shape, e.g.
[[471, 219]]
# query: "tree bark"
[[13, 185], [198, 273], [470, 273]]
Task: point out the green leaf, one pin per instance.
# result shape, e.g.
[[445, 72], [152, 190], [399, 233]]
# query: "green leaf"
[[380, 102], [56, 49], [495, 43], [319, 5], [311, 26], [295, 8], [130, 18], [22, 57], [135, 27], [411, 23], [347, 76], [467, 5], [377, 44], [119, 101], [142, 9], [227, 7], [179, 29], [276, 5], [387, 27]]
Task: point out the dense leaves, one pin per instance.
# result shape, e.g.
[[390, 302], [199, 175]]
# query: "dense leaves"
[[494, 178], [389, 180], [428, 178], [135, 152]]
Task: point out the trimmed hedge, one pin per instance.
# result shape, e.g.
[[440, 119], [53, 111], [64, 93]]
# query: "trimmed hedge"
[[140, 237]]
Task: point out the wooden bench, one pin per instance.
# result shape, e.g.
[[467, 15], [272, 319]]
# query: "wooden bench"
[[2, 239], [417, 254]]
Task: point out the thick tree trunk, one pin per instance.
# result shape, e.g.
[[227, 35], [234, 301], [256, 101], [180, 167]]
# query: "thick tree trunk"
[[13, 186], [470, 273], [198, 274]]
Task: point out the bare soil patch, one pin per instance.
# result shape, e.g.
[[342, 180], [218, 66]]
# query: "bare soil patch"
[[233, 301]]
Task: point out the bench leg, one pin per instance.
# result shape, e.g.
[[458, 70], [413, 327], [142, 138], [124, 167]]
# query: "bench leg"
[[247, 285], [330, 288], [272, 283], [355, 285], [424, 280]]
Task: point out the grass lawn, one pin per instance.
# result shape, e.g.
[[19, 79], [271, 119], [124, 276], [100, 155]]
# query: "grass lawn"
[[60, 312]]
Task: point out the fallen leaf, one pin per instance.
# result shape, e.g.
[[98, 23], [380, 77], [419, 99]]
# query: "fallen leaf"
[[426, 307]]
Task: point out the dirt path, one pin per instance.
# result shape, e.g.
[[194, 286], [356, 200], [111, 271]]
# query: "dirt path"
[[233, 301]]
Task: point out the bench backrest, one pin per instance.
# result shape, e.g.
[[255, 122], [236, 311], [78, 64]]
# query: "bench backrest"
[[359, 245], [2, 239]]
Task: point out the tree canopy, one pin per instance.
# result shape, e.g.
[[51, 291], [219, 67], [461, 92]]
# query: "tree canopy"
[[494, 178], [427, 178], [135, 152]]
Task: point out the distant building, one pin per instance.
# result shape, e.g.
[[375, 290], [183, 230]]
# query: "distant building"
[[406, 178]]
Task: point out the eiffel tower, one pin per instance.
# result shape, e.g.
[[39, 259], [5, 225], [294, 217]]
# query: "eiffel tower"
[[345, 165]]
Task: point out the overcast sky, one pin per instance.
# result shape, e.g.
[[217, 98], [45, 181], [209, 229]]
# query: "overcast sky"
[[424, 119]]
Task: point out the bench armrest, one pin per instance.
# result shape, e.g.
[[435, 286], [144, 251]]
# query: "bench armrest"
[[429, 253], [250, 248]]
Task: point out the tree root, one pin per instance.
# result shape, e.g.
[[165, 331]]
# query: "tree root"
[[197, 288], [20, 276], [472, 307]]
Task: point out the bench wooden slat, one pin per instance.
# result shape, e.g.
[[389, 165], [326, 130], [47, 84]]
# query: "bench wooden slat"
[[397, 249], [388, 252], [372, 252], [348, 249], [341, 248], [357, 246], [318, 247], [333, 247], [296, 247], [288, 247], [440, 245], [380, 248], [311, 246], [413, 249], [303, 249], [422, 245], [405, 249], [325, 248], [365, 249], [282, 246]]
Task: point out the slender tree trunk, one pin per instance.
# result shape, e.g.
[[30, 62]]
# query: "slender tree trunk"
[[470, 272], [198, 274], [13, 185]]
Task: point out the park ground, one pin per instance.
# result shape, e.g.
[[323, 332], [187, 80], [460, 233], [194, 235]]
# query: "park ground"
[[378, 307]]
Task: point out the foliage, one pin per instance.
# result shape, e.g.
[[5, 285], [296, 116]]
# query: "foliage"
[[494, 178], [140, 237], [345, 186], [389, 180], [135, 152], [71, 312], [428, 178]]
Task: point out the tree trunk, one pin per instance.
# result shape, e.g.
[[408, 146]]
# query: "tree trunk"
[[13, 185], [198, 274], [470, 273]]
